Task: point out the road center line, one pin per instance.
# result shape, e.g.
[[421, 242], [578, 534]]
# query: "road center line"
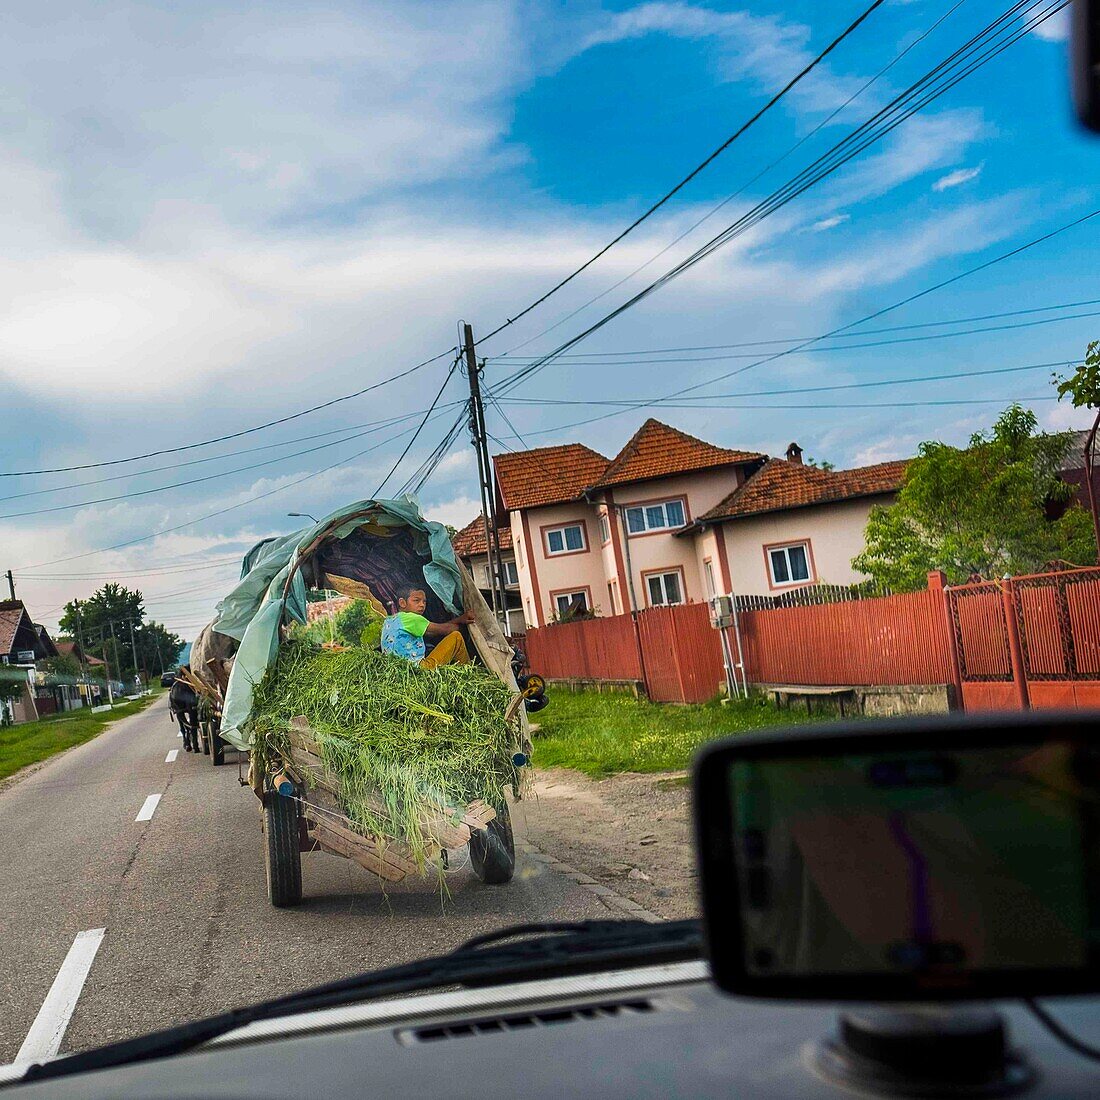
[[44, 1038], [180, 734], [149, 805], [171, 757]]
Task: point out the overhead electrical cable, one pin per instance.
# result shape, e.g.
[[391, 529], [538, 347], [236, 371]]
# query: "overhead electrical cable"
[[233, 435], [223, 511], [744, 187], [350, 430], [804, 72], [908, 101]]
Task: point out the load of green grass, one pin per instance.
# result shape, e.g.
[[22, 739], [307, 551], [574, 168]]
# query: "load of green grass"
[[408, 745]]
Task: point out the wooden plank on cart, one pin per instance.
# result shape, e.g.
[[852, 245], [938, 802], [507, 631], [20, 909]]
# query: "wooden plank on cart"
[[395, 858], [369, 860], [479, 814]]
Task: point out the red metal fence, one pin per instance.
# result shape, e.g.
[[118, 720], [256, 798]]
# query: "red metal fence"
[[885, 640], [1030, 641]]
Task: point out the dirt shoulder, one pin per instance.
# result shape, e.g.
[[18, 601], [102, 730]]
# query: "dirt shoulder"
[[630, 832]]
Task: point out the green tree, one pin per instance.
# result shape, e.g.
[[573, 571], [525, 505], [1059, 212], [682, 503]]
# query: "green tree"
[[979, 509], [158, 647], [105, 613]]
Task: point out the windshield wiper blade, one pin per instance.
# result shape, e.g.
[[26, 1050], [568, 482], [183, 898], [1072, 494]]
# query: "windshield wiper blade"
[[535, 951]]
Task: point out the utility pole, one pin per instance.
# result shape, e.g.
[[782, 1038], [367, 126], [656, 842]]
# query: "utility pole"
[[11, 583], [133, 649], [485, 476], [114, 648], [80, 646]]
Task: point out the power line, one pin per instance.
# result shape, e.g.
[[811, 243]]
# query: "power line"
[[234, 435], [633, 403], [350, 430], [220, 475], [419, 429], [220, 511], [744, 187], [842, 347], [851, 28], [499, 360], [835, 158]]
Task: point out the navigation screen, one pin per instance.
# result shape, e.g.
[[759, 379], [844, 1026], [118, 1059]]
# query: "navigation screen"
[[937, 862]]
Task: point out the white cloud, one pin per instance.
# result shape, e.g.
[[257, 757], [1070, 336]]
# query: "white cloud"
[[762, 49], [829, 223], [957, 178], [1055, 28]]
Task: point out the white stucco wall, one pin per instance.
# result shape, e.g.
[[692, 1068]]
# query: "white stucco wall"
[[834, 532], [653, 552]]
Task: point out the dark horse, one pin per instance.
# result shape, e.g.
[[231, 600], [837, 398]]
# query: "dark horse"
[[183, 705]]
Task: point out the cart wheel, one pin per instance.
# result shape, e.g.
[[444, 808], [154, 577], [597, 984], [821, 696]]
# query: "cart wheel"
[[282, 856], [204, 738], [493, 851], [217, 745]]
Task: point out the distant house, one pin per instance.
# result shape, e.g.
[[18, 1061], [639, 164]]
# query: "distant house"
[[22, 643], [469, 546], [1073, 470], [672, 519]]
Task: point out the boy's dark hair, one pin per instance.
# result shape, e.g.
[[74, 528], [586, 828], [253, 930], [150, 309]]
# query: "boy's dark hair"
[[406, 587]]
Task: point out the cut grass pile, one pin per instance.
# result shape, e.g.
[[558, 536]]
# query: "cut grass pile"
[[407, 744], [30, 742], [602, 734]]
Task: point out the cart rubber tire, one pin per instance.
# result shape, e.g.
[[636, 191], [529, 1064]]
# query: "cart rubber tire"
[[217, 746], [282, 856], [493, 851], [203, 732]]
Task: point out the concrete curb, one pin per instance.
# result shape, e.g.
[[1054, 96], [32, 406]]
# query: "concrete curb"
[[616, 903]]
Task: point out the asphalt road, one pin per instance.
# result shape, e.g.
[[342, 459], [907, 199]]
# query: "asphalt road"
[[183, 900]]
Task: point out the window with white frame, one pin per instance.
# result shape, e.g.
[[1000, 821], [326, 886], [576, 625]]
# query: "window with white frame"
[[565, 540], [571, 602], [708, 575], [605, 528], [789, 564], [664, 589], [664, 516], [511, 574]]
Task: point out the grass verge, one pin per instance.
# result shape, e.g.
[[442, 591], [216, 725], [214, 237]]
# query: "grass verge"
[[30, 742], [601, 734]]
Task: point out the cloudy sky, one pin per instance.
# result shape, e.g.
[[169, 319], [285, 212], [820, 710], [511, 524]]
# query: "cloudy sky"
[[219, 215]]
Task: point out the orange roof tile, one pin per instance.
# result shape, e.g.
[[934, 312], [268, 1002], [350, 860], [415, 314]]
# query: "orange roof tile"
[[780, 484], [546, 475], [656, 450], [471, 539]]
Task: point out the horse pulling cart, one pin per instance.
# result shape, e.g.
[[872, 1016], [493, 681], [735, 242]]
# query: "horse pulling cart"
[[363, 552]]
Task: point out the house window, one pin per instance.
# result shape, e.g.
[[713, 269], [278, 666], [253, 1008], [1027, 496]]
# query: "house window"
[[565, 540], [664, 589], [789, 564], [519, 552], [664, 516], [605, 528], [566, 603], [511, 576]]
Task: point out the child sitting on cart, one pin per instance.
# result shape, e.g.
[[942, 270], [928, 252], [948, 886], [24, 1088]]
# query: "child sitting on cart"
[[403, 634]]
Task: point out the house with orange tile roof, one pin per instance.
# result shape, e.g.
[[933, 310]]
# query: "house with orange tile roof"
[[791, 525], [672, 518], [471, 549]]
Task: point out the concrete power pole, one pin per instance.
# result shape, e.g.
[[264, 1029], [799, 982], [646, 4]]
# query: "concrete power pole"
[[133, 650], [485, 476], [11, 583]]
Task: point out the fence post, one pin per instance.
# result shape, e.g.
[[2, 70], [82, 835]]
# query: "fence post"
[[1015, 650], [641, 652], [936, 583]]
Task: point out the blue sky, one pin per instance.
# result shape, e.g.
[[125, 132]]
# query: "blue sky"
[[217, 214]]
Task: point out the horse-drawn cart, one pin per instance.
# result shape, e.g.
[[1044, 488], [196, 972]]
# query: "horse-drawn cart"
[[364, 552]]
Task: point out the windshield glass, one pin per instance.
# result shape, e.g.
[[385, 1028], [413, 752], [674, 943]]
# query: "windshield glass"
[[425, 426]]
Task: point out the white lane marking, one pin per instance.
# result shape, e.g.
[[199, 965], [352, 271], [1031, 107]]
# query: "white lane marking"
[[44, 1038], [147, 808], [180, 734], [171, 757]]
